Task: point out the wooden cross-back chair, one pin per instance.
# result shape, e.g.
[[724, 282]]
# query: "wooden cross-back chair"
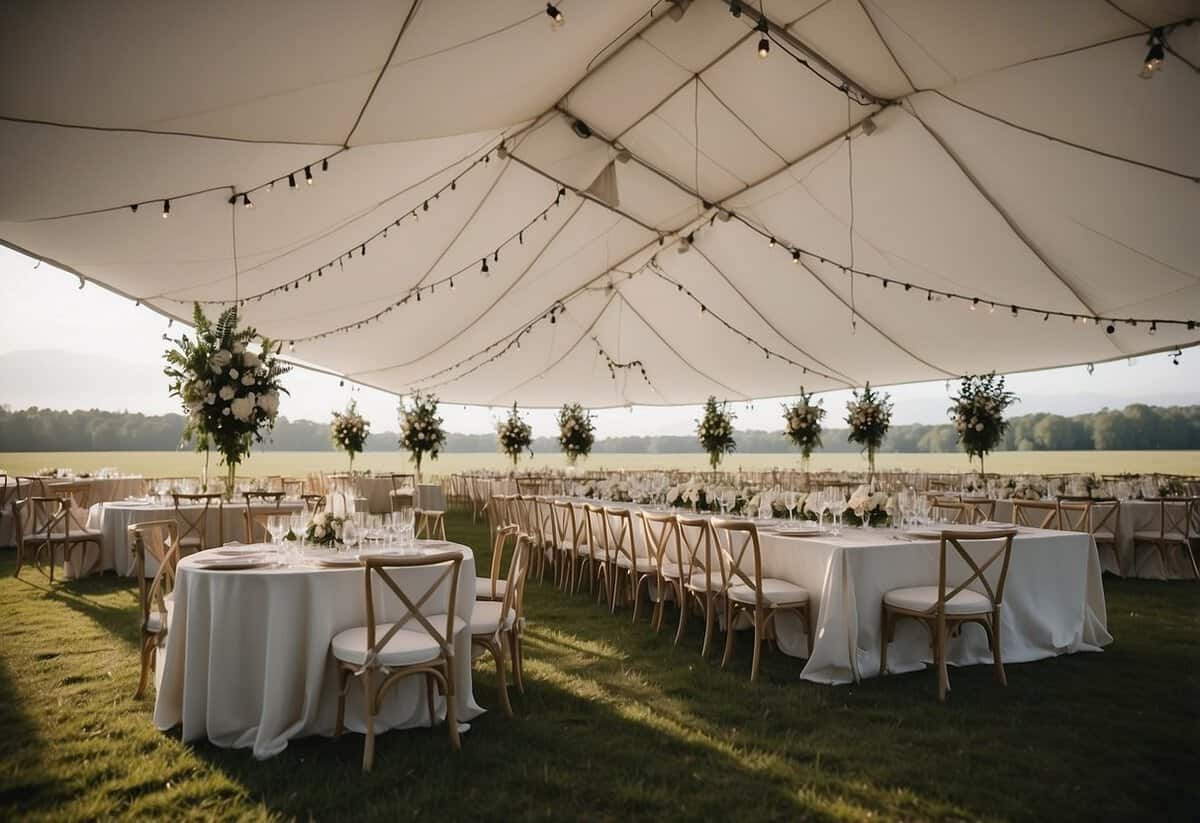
[[949, 510], [1099, 517], [313, 503], [543, 551], [707, 577], [598, 559], [403, 493], [191, 519], [258, 506], [496, 625], [1175, 517], [979, 509], [383, 653], [30, 486], [492, 587], [157, 541], [292, 487], [660, 536], [429, 524], [761, 598], [637, 569], [571, 534], [946, 607], [496, 510], [1038, 514], [47, 525]]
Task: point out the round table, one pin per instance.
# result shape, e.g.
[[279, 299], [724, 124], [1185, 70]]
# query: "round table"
[[247, 661], [114, 519]]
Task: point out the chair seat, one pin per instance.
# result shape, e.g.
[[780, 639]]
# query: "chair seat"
[[582, 550], [923, 598], [775, 592], [76, 535], [483, 588], [407, 647], [1154, 535], [699, 582], [485, 619], [191, 540], [645, 565], [157, 622]]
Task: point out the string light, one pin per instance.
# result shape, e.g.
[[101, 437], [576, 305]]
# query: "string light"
[[615, 366], [1155, 56], [735, 8], [166, 212], [556, 16], [764, 45], [246, 201], [308, 175]]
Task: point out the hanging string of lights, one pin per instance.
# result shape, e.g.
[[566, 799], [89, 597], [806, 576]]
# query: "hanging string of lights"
[[498, 349], [972, 301], [614, 366], [768, 353], [360, 246], [416, 292]]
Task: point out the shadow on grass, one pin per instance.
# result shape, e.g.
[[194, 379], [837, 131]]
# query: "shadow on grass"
[[21, 778]]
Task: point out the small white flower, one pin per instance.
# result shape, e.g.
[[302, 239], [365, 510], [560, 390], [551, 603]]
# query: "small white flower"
[[226, 393], [210, 398], [247, 379]]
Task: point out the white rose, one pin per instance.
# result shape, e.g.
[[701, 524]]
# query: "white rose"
[[210, 398], [978, 427], [226, 393], [220, 360], [242, 408], [233, 374], [225, 410], [247, 379], [269, 402], [250, 360], [318, 532]]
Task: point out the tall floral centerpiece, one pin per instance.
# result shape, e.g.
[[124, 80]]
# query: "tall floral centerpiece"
[[230, 393], [869, 414], [802, 425], [978, 414], [349, 431], [421, 430], [514, 436], [715, 431], [576, 432]]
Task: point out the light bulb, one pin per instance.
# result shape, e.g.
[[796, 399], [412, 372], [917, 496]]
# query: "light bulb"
[[764, 47], [166, 209], [308, 175], [556, 16]]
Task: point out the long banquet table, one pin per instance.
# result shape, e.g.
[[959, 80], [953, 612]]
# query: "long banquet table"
[[1136, 516], [1053, 603], [114, 519], [247, 661]]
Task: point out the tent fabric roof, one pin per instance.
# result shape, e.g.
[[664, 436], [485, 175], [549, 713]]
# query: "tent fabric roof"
[[1013, 155]]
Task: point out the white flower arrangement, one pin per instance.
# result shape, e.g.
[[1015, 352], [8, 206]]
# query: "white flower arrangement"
[[802, 424], [715, 431], [421, 431], [230, 394], [576, 432], [514, 435], [349, 431], [978, 414], [869, 415], [325, 529]]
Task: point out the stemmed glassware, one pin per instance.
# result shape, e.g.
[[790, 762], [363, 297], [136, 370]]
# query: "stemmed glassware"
[[351, 533], [790, 499]]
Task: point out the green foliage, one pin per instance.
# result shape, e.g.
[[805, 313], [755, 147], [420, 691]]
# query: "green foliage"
[[869, 414], [802, 423], [978, 413], [421, 430], [576, 431], [514, 435], [230, 395], [715, 431]]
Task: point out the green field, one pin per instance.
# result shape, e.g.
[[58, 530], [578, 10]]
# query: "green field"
[[158, 464]]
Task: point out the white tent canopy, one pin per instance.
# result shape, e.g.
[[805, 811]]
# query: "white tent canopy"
[[1013, 157]]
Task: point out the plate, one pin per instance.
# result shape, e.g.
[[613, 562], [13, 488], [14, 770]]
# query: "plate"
[[798, 533], [338, 561], [233, 563], [935, 532]]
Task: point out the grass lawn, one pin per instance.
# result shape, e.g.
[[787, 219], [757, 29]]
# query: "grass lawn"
[[617, 723]]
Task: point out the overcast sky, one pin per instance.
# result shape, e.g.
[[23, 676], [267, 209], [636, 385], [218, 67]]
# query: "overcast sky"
[[113, 360]]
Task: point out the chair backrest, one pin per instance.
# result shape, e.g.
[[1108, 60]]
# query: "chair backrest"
[[429, 525], [660, 532], [979, 509], [597, 531], [619, 539], [403, 482], [30, 486], [313, 503], [447, 565], [191, 516], [949, 511], [543, 521], [699, 551], [157, 539], [563, 521], [993, 590], [1175, 517], [513, 601], [496, 510], [498, 543], [292, 487], [1040, 514], [736, 538], [264, 503]]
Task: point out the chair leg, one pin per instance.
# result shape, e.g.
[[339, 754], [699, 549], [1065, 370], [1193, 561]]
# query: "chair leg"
[[884, 640], [758, 633], [147, 651], [636, 585], [452, 708], [369, 744], [341, 706], [940, 656], [429, 704], [682, 595], [709, 608], [808, 627], [519, 661], [501, 682], [728, 633], [999, 663]]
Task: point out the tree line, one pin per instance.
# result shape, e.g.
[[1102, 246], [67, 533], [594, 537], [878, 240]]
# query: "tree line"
[[1136, 427]]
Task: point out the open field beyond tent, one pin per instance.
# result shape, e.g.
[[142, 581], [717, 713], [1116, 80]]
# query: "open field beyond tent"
[[617, 723], [158, 464]]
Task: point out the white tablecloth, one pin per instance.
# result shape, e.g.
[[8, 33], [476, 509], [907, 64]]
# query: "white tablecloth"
[[247, 661], [114, 519], [1136, 515], [1053, 603]]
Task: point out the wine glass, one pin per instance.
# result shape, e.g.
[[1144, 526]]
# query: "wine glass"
[[350, 534], [790, 499], [277, 526]]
